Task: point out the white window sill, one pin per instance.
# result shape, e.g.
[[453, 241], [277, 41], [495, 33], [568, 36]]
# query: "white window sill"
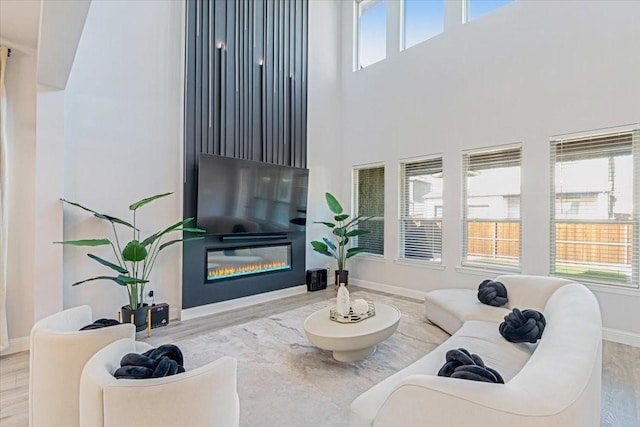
[[631, 290], [484, 271], [370, 257]]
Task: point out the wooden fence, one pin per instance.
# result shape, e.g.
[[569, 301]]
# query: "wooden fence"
[[575, 242]]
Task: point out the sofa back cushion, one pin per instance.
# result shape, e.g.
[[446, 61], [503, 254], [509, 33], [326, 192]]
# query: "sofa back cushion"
[[526, 291]]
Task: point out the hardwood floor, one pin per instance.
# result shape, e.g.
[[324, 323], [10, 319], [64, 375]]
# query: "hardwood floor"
[[620, 366]]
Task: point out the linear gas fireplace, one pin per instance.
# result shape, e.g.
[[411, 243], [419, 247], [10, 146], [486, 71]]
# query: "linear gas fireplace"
[[254, 215], [244, 261]]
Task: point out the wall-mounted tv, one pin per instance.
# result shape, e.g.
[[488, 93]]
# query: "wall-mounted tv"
[[238, 196]]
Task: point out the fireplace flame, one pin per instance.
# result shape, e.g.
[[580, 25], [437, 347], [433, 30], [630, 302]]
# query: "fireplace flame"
[[229, 271]]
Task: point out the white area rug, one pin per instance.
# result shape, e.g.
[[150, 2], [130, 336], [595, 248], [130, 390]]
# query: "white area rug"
[[283, 380]]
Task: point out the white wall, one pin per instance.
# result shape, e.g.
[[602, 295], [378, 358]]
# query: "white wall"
[[123, 114], [324, 118], [520, 74], [20, 81]]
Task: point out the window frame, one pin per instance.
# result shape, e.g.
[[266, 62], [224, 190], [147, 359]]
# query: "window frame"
[[402, 218], [356, 33], [355, 188], [474, 264], [466, 10], [403, 27], [581, 138]]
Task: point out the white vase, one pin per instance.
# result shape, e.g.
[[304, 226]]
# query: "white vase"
[[342, 301]]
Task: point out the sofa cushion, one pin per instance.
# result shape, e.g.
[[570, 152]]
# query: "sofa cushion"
[[479, 337], [530, 291], [450, 308]]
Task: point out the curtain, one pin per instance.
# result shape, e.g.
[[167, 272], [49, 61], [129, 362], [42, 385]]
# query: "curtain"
[[4, 335]]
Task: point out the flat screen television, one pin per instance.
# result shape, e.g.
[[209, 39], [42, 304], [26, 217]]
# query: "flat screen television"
[[238, 196]]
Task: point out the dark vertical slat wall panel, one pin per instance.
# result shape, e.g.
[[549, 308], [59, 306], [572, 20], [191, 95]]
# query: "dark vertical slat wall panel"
[[198, 78], [303, 81], [204, 92], [246, 83], [268, 82], [300, 137]]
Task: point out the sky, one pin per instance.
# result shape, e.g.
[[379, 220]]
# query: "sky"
[[423, 19]]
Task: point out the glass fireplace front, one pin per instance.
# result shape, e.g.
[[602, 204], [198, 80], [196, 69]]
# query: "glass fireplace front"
[[243, 261]]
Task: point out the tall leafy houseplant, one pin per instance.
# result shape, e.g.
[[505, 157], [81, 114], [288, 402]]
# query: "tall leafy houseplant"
[[135, 260], [342, 229]]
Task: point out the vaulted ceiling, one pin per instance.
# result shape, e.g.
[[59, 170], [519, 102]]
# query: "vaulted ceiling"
[[19, 23]]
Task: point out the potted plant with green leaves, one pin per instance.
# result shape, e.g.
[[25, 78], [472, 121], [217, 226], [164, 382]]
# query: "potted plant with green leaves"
[[337, 245], [133, 261]]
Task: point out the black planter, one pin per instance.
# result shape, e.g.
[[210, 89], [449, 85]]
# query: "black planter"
[[342, 276], [139, 317]]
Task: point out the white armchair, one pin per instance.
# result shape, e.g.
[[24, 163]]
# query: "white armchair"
[[202, 397], [58, 352]]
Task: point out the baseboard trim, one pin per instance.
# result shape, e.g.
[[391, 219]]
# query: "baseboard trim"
[[220, 307], [396, 290], [621, 337], [16, 345]]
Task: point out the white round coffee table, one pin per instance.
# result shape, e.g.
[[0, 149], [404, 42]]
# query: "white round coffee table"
[[351, 341]]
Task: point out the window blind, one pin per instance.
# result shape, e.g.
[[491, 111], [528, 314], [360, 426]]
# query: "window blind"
[[421, 208], [594, 217], [369, 195], [491, 216]]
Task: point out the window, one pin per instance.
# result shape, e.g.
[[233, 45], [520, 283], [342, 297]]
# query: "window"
[[372, 32], [492, 208], [421, 210], [476, 8], [594, 217], [421, 20], [369, 195]]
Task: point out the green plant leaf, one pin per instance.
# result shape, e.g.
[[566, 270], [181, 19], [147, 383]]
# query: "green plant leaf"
[[143, 202], [115, 279], [113, 219], [339, 231], [175, 227], [329, 243], [149, 240], [108, 264], [358, 220], [358, 232], [328, 224], [78, 205], [131, 280], [319, 245], [192, 230], [134, 251], [333, 203], [86, 242], [354, 251], [322, 248], [171, 242], [98, 214], [344, 241], [341, 217]]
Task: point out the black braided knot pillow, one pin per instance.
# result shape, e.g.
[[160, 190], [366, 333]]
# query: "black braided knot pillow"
[[158, 362], [462, 364], [492, 293], [523, 326], [99, 324]]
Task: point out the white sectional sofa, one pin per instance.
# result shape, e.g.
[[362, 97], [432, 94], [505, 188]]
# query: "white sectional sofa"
[[555, 382]]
